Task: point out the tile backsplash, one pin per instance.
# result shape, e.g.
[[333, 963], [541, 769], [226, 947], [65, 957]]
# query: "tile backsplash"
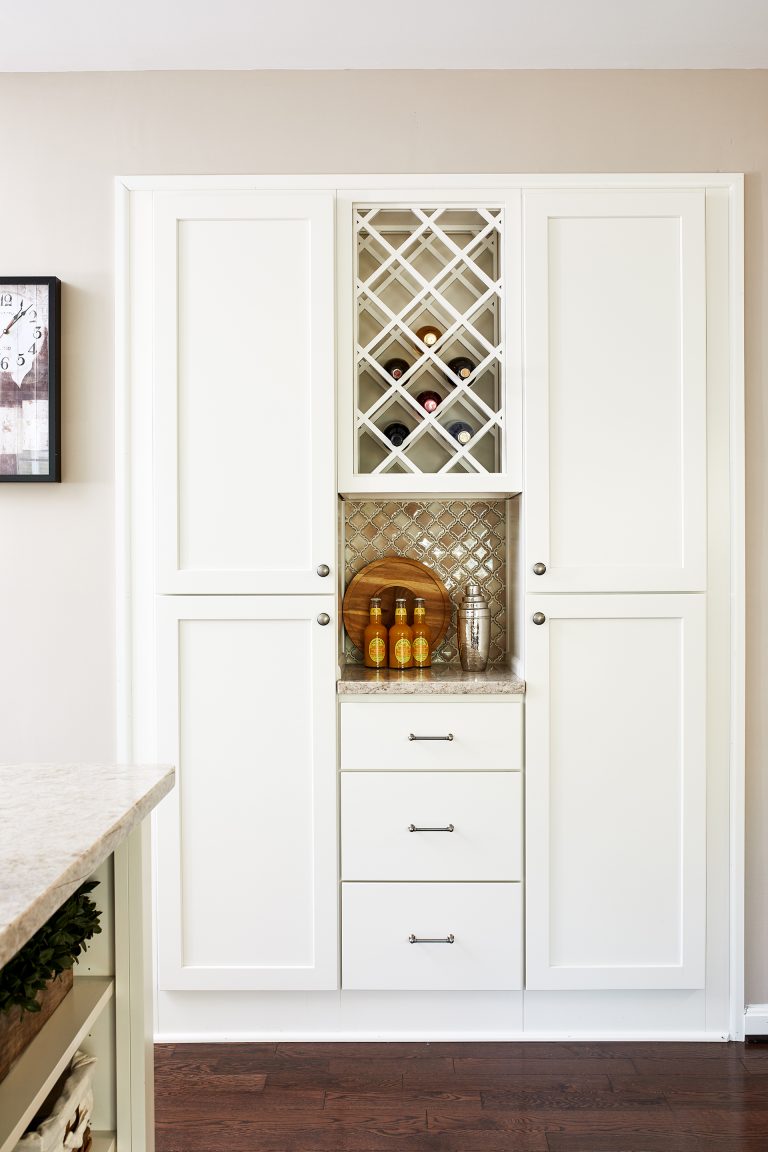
[[463, 541]]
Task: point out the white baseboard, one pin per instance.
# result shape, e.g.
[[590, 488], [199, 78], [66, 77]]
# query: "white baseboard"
[[435, 1037], [756, 1020]]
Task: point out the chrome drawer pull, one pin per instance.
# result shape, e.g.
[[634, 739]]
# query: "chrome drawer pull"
[[431, 939], [448, 737], [413, 828]]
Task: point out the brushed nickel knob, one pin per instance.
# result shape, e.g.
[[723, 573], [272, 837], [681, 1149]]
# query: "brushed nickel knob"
[[539, 569], [538, 617], [323, 618], [323, 570]]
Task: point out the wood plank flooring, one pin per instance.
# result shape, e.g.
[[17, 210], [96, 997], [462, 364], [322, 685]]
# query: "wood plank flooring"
[[516, 1097]]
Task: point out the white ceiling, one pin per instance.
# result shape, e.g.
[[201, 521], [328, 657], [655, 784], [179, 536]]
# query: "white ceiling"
[[106, 35]]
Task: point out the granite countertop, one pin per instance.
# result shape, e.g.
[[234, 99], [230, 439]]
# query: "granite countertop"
[[58, 822], [440, 679]]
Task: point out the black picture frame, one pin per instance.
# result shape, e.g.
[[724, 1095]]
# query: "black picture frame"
[[30, 403]]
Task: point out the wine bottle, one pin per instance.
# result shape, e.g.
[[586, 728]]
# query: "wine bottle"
[[396, 368], [462, 366], [396, 433], [461, 431], [429, 335], [429, 400]]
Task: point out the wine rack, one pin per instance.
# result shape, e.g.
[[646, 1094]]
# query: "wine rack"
[[428, 291]]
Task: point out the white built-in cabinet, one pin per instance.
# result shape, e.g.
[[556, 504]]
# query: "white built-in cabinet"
[[603, 320], [615, 503], [245, 512]]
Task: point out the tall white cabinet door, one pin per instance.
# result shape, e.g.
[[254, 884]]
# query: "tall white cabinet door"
[[615, 390], [615, 792], [244, 383], [246, 845]]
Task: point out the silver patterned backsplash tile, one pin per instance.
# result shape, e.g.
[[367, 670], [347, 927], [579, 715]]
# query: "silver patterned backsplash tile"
[[463, 541]]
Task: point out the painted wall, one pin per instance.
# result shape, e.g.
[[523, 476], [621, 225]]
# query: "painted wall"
[[64, 137]]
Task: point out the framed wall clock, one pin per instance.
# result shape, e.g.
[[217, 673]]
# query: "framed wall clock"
[[30, 378]]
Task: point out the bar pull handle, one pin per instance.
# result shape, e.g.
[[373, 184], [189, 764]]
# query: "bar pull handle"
[[448, 737], [413, 828], [431, 939]]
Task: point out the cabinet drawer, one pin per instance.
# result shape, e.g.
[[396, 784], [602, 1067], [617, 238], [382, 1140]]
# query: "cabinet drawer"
[[484, 919], [483, 808], [485, 735]]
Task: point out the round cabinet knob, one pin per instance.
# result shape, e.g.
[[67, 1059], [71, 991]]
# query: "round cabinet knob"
[[323, 618], [323, 570], [538, 617], [539, 569]]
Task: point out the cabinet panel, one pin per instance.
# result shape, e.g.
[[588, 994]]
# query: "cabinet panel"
[[485, 921], [615, 378], [247, 844], [470, 736], [388, 822], [615, 796], [244, 377]]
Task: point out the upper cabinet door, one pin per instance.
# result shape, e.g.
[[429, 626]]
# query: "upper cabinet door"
[[615, 390], [429, 341], [244, 380]]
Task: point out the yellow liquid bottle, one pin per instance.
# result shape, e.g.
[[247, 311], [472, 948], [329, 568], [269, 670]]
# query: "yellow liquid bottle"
[[422, 644], [400, 639], [375, 638]]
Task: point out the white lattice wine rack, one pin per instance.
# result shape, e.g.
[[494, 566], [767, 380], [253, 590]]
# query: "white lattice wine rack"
[[437, 268]]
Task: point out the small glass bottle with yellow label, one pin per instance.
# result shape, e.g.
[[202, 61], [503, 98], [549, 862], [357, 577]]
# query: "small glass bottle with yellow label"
[[422, 645], [400, 638], [375, 638]]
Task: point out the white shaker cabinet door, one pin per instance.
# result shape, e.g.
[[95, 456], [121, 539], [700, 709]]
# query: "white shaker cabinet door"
[[615, 791], [244, 381], [246, 844], [615, 391]]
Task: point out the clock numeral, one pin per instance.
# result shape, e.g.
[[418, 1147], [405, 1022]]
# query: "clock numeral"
[[20, 360], [38, 332], [4, 364], [32, 314], [32, 349], [6, 299]]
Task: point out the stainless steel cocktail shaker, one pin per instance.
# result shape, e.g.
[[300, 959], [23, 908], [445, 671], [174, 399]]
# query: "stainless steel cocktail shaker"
[[474, 629]]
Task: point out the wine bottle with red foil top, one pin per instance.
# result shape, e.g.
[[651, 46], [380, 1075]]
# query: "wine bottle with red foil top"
[[429, 400], [396, 433], [462, 367], [396, 367]]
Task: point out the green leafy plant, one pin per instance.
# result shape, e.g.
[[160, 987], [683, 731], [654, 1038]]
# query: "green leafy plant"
[[52, 950]]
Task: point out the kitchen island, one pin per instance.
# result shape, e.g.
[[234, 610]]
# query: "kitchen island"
[[60, 825]]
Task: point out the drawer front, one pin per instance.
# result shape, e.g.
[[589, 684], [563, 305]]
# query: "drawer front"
[[483, 808], [486, 736], [485, 921]]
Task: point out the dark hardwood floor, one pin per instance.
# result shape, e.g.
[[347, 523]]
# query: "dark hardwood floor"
[[531, 1097]]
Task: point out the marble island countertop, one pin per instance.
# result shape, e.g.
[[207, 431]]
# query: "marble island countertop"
[[440, 679], [58, 822]]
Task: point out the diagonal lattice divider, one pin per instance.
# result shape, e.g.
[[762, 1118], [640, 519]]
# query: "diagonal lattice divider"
[[449, 267]]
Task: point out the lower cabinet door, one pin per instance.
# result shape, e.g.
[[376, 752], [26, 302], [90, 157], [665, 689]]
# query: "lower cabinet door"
[[246, 844], [432, 936], [615, 791]]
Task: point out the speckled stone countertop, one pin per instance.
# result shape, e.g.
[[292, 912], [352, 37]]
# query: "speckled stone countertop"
[[58, 822], [440, 680]]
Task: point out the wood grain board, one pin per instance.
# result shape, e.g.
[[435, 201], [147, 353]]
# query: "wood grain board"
[[389, 577]]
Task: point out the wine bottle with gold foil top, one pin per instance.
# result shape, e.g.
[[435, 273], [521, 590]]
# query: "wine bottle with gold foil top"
[[375, 638], [400, 638], [422, 643]]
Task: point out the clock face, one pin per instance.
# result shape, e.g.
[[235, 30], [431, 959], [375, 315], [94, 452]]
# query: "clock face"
[[23, 327]]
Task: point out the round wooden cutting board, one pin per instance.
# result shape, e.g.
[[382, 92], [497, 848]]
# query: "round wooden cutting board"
[[389, 577]]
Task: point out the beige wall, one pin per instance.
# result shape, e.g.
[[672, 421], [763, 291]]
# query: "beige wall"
[[62, 140]]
